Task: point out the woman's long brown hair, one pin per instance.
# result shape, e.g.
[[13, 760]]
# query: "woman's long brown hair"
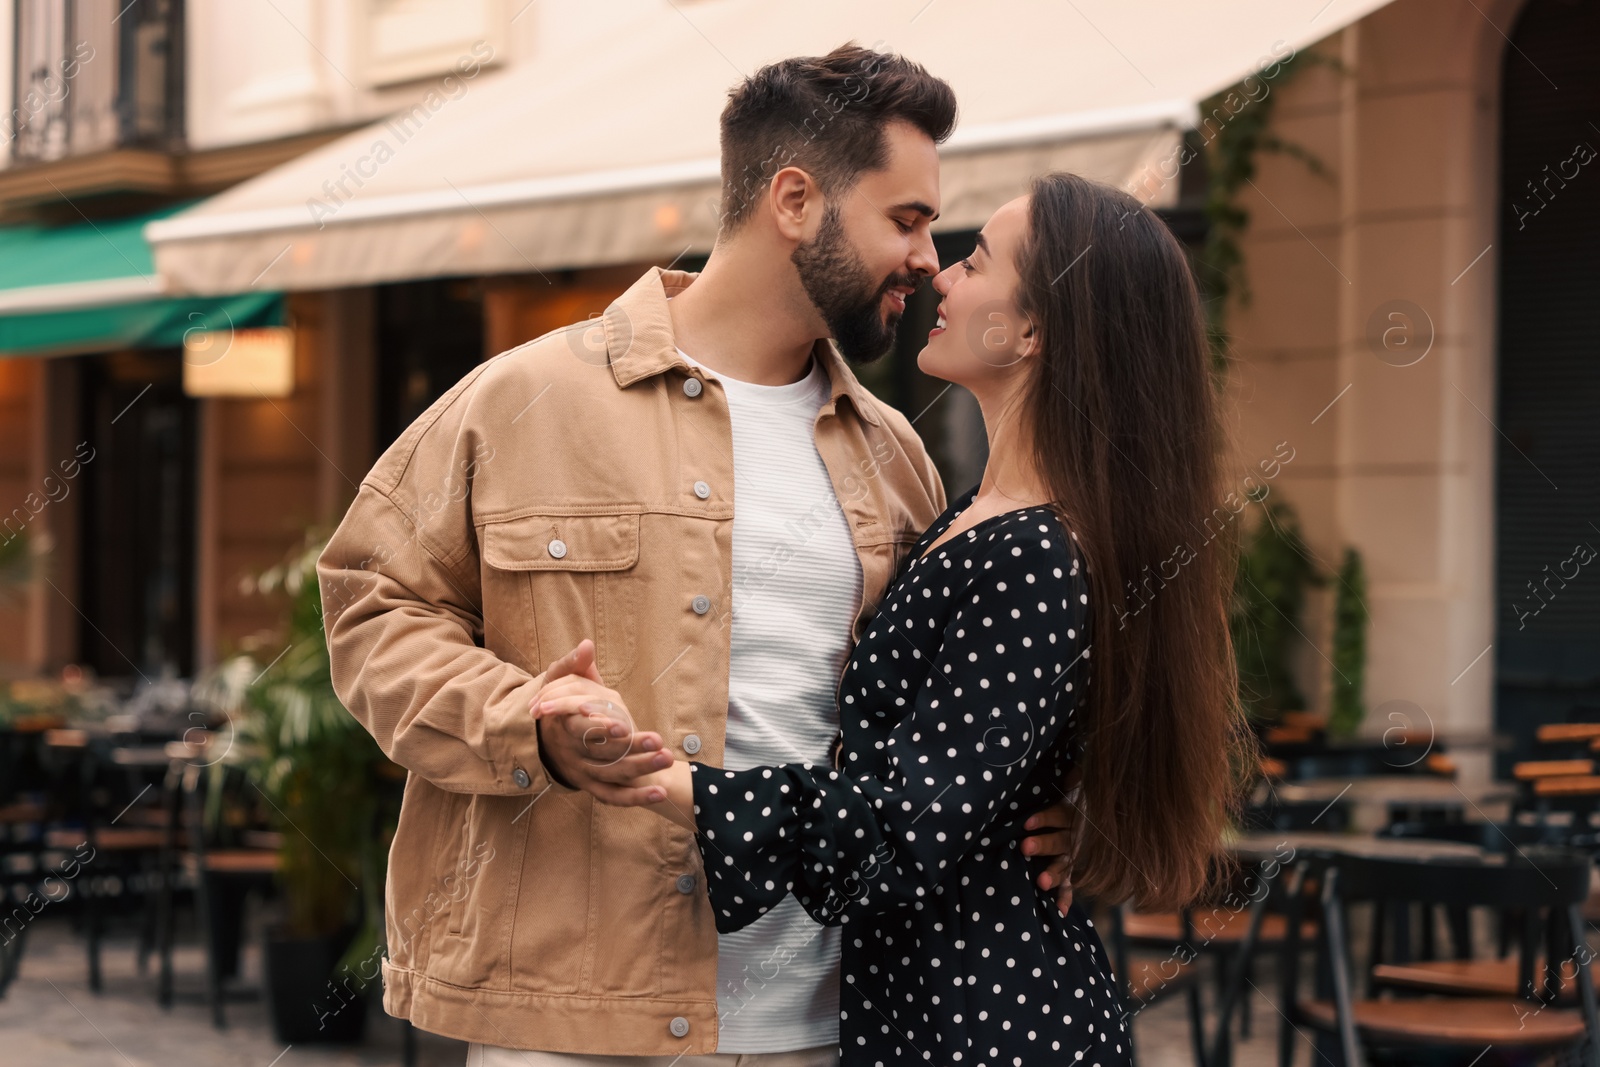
[[1124, 419]]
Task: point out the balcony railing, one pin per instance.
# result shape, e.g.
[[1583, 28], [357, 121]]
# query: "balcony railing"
[[92, 75]]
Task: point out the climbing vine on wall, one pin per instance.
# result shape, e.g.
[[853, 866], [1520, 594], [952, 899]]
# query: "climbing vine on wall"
[[1235, 127], [1275, 566]]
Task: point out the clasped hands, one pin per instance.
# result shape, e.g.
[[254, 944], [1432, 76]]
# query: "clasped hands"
[[587, 740]]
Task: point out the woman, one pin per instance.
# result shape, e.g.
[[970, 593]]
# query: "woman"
[[1076, 324]]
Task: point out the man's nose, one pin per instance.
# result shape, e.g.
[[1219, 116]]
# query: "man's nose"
[[924, 260]]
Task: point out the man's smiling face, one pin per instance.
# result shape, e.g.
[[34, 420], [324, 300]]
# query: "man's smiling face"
[[873, 246]]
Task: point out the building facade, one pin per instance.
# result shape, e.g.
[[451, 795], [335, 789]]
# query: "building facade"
[[1420, 331], [1417, 332]]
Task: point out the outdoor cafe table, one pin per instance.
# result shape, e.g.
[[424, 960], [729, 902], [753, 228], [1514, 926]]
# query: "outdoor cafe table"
[[1283, 846], [1408, 789], [1385, 797]]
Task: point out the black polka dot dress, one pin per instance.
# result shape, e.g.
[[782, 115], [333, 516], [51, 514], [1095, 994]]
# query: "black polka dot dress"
[[956, 712]]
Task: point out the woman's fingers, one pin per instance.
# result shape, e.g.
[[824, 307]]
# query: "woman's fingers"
[[1058, 814], [571, 686], [589, 738], [631, 767], [621, 796], [1048, 843], [626, 754], [590, 705], [604, 700], [1058, 876], [570, 683], [584, 706]]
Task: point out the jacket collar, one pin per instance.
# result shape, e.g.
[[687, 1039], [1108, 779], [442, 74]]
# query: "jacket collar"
[[639, 341]]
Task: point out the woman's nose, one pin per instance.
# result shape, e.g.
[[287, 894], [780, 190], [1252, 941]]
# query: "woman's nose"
[[941, 281]]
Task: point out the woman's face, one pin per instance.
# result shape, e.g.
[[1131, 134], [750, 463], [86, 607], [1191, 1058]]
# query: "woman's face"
[[981, 338]]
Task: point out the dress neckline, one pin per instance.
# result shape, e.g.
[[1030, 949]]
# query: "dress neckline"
[[965, 501]]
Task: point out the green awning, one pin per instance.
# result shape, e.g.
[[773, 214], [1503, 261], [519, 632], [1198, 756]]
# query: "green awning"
[[93, 287]]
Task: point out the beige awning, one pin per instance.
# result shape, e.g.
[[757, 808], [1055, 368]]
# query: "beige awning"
[[608, 154]]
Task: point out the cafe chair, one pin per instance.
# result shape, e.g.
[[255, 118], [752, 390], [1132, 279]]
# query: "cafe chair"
[[1227, 931], [1535, 770], [1548, 891], [22, 824], [1495, 839], [1578, 795], [1164, 968], [1259, 900], [223, 863], [117, 827], [1568, 737], [1391, 965]]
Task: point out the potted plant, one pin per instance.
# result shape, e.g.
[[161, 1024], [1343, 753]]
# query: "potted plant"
[[1347, 707], [1269, 592], [332, 792], [1275, 569]]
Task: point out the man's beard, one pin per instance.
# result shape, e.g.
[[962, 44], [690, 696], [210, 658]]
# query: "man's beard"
[[843, 291]]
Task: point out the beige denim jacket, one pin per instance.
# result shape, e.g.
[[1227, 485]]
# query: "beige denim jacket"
[[580, 485]]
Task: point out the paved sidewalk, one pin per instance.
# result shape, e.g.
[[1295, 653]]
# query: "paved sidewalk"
[[48, 1018]]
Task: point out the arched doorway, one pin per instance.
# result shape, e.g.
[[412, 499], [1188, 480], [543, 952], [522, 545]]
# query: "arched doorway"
[[1548, 459]]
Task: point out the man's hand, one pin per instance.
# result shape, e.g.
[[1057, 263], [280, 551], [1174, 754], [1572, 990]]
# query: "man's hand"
[[586, 737], [1053, 833], [579, 662]]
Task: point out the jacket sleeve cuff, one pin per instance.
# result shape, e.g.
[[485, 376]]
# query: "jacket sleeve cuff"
[[518, 767]]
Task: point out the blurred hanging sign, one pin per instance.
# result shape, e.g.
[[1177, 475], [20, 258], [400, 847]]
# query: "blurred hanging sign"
[[219, 360]]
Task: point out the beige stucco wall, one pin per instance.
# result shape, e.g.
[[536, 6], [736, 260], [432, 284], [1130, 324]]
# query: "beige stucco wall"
[[261, 69], [1401, 465]]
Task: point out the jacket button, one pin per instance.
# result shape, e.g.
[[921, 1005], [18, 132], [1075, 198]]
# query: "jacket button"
[[679, 1026], [691, 745], [520, 776], [691, 388], [558, 548], [702, 490], [700, 604], [686, 884]]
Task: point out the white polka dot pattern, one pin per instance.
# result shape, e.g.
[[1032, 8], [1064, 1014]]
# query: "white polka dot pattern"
[[957, 710]]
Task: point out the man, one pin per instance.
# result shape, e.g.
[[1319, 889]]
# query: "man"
[[701, 486]]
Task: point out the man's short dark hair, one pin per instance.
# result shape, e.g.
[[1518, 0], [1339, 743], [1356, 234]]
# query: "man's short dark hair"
[[825, 115]]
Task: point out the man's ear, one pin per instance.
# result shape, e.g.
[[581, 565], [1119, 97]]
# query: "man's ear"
[[796, 203]]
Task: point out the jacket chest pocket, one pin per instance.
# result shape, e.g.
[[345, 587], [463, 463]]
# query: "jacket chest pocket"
[[568, 577], [885, 551]]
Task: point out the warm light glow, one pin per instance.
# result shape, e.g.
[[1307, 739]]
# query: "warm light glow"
[[245, 363], [668, 218]]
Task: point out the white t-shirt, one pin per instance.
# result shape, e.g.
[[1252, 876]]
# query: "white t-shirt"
[[796, 588]]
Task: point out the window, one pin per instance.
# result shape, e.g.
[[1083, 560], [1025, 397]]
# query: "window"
[[403, 40]]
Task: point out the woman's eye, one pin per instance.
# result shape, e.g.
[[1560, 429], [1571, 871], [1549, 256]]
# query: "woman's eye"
[[966, 265]]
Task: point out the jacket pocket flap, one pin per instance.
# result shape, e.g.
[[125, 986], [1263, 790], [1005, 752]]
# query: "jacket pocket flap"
[[562, 543]]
